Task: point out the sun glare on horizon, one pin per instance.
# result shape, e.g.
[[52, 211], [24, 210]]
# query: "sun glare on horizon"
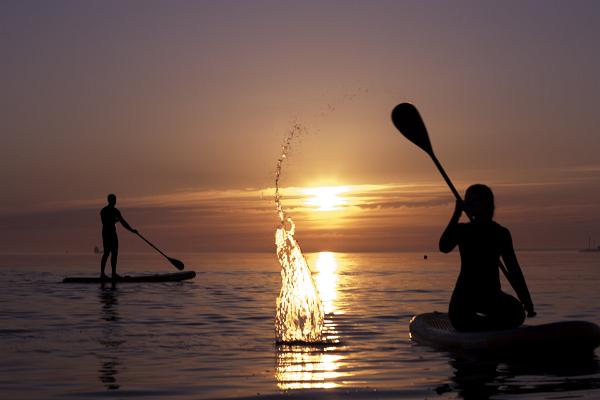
[[326, 198]]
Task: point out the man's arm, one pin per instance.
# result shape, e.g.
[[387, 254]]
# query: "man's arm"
[[125, 224]]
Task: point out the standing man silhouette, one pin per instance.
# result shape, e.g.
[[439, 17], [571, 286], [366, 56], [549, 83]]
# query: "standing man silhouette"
[[110, 215]]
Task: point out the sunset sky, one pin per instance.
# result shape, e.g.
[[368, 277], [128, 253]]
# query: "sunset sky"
[[181, 108]]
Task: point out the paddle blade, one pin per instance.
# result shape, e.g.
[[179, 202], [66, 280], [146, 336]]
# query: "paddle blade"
[[408, 121], [176, 263]]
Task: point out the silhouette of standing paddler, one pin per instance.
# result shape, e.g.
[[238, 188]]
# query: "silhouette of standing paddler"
[[478, 303], [110, 215]]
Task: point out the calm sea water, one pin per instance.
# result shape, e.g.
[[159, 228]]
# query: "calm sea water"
[[214, 337]]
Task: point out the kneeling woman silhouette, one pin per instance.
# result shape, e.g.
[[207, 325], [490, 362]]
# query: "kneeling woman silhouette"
[[478, 303]]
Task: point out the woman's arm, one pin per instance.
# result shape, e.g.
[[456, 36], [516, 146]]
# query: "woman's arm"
[[517, 280], [449, 238]]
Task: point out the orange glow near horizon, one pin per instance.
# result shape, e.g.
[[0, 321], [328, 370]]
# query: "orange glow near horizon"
[[327, 198]]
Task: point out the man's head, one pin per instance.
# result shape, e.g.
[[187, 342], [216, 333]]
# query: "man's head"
[[112, 199], [480, 202]]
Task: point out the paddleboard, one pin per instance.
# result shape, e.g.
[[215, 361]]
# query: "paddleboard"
[[566, 337], [172, 277]]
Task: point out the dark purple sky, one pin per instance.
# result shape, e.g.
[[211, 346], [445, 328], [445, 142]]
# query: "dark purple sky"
[[155, 100]]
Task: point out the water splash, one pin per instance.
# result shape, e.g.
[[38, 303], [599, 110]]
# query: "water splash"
[[299, 313]]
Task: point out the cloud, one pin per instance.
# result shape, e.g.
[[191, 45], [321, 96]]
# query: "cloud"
[[375, 217], [408, 203]]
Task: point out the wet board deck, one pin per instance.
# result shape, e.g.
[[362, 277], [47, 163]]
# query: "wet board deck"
[[567, 337], [171, 277]]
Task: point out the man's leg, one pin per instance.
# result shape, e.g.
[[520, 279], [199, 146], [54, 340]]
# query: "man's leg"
[[113, 261], [103, 262], [113, 258]]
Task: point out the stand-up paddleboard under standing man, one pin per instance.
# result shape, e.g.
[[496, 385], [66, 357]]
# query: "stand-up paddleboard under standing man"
[[110, 216]]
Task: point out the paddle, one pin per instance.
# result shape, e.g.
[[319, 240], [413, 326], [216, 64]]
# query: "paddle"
[[408, 121], [176, 263]]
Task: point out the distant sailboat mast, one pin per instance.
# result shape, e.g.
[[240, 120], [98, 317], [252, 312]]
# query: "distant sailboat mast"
[[591, 247]]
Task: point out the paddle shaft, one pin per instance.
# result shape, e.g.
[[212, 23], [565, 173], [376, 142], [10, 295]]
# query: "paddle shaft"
[[449, 182], [153, 246], [462, 203]]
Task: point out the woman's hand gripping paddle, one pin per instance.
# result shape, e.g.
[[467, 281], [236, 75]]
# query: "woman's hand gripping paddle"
[[408, 121]]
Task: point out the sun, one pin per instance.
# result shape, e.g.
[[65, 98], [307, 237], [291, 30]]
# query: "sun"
[[326, 198]]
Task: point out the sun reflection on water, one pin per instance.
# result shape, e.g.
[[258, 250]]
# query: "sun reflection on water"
[[316, 367], [326, 280], [300, 367]]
